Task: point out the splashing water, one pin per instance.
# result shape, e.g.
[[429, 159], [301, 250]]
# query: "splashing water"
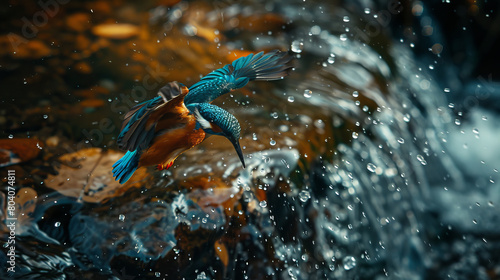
[[343, 176]]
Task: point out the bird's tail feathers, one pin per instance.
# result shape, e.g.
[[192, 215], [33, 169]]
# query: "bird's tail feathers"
[[126, 166]]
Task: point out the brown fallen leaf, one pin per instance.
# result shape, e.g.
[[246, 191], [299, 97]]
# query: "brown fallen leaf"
[[86, 175], [25, 206], [221, 251], [14, 151]]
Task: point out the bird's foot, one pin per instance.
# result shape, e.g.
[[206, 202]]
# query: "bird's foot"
[[163, 167]]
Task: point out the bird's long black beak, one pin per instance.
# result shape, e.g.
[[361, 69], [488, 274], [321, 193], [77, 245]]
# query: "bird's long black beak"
[[237, 147]]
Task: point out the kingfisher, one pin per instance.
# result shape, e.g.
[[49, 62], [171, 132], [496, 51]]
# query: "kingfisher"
[[157, 131]]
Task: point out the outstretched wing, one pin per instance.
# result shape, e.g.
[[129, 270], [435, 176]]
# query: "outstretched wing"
[[260, 66], [138, 128]]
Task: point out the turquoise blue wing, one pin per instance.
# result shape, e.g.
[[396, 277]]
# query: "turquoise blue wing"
[[138, 129], [271, 66]]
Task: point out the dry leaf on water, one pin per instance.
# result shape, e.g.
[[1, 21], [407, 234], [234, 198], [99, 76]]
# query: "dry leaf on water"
[[86, 174], [14, 151]]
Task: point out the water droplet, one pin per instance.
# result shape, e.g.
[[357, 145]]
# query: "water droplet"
[[204, 220], [371, 167], [421, 159], [307, 93], [331, 267], [349, 262], [343, 37], [367, 10], [254, 137], [407, 117], [401, 140], [57, 224], [158, 274], [121, 217], [45, 117], [331, 60], [304, 196], [274, 115], [431, 67], [11, 136], [355, 93], [446, 90], [474, 221], [297, 46], [291, 99], [272, 142], [263, 204], [457, 121], [355, 135], [346, 19]]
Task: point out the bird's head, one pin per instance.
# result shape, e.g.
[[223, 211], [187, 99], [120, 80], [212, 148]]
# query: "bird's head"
[[217, 121]]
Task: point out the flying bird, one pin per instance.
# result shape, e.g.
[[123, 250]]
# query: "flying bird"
[[157, 131]]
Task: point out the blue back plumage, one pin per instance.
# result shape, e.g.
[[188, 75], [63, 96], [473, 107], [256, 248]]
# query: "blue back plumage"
[[260, 66]]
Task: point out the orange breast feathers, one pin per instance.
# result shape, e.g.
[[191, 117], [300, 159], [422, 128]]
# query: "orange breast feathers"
[[176, 133]]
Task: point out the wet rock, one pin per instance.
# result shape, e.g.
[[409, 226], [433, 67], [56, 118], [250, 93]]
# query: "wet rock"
[[116, 30]]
